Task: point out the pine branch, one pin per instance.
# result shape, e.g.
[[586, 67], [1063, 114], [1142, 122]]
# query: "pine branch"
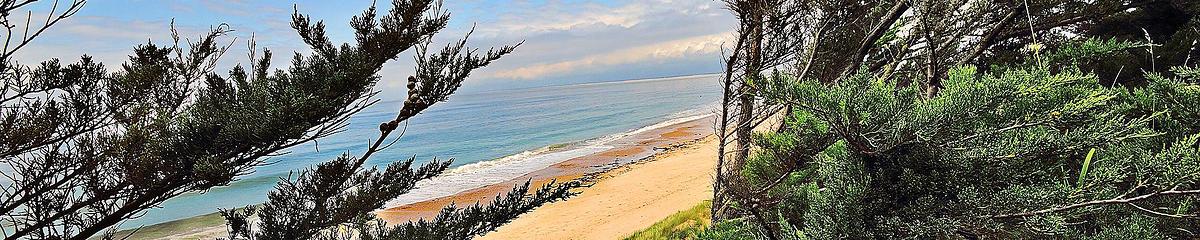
[[464, 223], [1119, 200], [987, 40], [898, 9]]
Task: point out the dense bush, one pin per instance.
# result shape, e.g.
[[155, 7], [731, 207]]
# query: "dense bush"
[[1030, 150]]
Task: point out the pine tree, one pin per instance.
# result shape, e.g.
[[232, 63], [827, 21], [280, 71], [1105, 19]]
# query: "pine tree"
[[965, 119], [84, 148], [1033, 150], [335, 199], [920, 40]]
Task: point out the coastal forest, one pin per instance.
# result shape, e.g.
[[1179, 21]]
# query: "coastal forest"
[[1054, 119], [837, 119]]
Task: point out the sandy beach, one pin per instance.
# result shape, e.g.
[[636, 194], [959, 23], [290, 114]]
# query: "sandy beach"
[[632, 197], [645, 177], [625, 200], [639, 148]]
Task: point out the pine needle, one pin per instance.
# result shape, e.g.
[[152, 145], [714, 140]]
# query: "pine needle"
[[1086, 163]]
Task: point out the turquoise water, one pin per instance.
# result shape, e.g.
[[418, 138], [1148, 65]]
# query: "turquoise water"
[[479, 130]]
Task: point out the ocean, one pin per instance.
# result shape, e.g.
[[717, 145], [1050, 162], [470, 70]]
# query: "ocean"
[[492, 136]]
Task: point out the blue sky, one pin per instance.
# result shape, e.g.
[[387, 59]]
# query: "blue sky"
[[566, 41]]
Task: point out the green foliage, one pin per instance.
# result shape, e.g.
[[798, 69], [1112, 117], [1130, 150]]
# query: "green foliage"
[[336, 199], [736, 229], [316, 201], [84, 149], [455, 222], [89, 149], [907, 43], [999, 154], [1087, 162], [681, 225], [1092, 50]]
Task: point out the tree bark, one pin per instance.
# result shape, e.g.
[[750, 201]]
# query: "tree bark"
[[746, 98], [720, 194], [868, 42], [747, 55]]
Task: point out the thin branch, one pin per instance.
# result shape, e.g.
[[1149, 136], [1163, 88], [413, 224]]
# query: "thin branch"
[[893, 15], [1096, 203], [1005, 129], [1162, 214], [990, 38]]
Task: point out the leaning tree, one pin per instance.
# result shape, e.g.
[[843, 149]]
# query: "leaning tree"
[[920, 41], [84, 149], [897, 113]]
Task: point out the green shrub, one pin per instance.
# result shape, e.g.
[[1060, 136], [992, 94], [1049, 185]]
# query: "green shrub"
[[996, 154], [681, 225]]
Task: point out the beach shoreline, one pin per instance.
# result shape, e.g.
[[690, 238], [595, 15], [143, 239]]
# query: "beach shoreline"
[[626, 199], [630, 198], [624, 149]]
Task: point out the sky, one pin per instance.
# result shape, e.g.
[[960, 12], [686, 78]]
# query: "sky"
[[565, 41]]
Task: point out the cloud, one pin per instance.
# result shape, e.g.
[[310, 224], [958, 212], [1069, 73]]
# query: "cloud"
[[564, 41], [596, 41], [682, 48], [556, 16], [242, 8], [106, 39], [111, 39], [557, 20]]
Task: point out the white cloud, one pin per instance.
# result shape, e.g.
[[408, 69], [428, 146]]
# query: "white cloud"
[[111, 40], [594, 41], [563, 17], [550, 21], [681, 48], [583, 41]]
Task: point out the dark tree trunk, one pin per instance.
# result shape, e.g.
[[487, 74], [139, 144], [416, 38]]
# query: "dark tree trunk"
[[753, 68]]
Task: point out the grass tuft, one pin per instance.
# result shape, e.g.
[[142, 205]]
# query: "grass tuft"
[[681, 225]]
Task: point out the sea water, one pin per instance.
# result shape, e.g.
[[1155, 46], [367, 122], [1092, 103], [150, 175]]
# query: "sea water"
[[492, 136]]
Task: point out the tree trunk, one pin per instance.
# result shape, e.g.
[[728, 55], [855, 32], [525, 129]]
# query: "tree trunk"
[[750, 47], [746, 98], [719, 194]]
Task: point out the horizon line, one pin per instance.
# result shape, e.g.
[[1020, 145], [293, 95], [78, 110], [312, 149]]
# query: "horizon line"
[[628, 80]]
